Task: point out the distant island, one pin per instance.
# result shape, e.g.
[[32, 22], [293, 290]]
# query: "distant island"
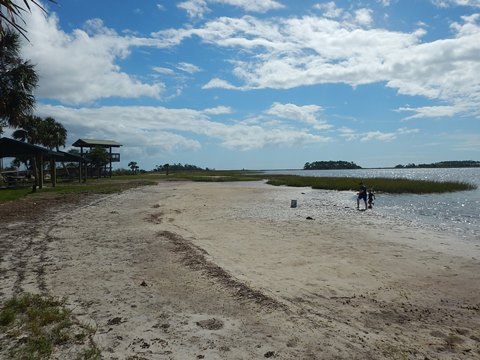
[[349, 165], [330, 165], [443, 164]]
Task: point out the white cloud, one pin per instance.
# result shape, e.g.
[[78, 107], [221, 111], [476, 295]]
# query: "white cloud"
[[198, 8], [194, 8], [364, 17], [219, 83], [329, 9], [406, 131], [252, 5], [447, 3], [310, 50], [432, 111], [353, 135], [163, 70], [172, 129], [189, 68], [219, 110], [81, 67], [306, 114]]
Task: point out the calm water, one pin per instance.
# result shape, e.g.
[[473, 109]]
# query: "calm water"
[[457, 212]]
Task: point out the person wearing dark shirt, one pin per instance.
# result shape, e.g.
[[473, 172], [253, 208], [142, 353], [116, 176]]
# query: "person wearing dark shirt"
[[362, 194]]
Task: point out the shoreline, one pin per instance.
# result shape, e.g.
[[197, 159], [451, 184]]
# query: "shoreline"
[[231, 271]]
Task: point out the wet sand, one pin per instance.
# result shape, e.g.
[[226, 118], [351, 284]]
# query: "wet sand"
[[187, 270]]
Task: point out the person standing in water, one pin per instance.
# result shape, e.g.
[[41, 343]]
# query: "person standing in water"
[[371, 197], [362, 194]]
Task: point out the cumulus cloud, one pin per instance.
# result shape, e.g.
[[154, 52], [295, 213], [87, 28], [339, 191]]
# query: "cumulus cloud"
[[194, 8], [310, 50], [171, 129], [219, 83], [81, 67], [364, 17], [329, 9], [306, 114]]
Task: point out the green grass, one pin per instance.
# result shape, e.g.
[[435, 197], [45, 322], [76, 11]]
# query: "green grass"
[[35, 325], [103, 186]]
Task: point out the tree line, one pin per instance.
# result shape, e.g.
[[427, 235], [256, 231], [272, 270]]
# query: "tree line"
[[176, 167], [443, 164], [330, 165]]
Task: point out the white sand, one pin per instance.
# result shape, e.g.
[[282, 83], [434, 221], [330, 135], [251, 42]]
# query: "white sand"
[[232, 272]]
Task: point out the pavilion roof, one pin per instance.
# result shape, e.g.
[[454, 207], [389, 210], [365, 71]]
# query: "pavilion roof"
[[11, 148], [94, 142]]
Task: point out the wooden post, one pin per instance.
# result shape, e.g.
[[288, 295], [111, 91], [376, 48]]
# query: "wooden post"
[[53, 171], [80, 165], [40, 177], [110, 161]]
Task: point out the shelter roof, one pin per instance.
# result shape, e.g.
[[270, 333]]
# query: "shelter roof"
[[94, 142], [11, 148], [63, 156]]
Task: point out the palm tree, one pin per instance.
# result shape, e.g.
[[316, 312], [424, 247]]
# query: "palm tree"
[[133, 165], [10, 12], [29, 130], [52, 134], [17, 81]]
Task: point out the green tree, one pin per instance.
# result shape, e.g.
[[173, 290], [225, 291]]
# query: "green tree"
[[18, 80], [133, 166], [52, 134]]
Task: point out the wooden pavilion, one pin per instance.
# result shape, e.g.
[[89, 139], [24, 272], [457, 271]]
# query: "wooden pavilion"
[[105, 144]]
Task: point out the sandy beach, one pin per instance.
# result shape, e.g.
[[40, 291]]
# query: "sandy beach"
[[184, 270]]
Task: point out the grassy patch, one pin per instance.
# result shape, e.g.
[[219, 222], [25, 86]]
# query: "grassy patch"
[[99, 186], [36, 326], [385, 185]]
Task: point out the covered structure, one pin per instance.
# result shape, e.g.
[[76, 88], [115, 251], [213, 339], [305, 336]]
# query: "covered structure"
[[105, 144], [13, 148]]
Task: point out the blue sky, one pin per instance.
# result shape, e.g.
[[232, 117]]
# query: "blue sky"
[[263, 84]]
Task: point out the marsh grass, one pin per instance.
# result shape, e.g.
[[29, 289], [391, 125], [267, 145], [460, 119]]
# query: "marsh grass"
[[36, 325], [384, 185]]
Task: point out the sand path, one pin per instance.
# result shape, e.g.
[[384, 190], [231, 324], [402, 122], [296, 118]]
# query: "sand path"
[[229, 271]]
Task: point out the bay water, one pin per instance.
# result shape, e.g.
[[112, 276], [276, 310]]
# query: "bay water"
[[456, 212]]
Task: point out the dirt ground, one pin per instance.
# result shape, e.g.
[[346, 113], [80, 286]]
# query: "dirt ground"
[[226, 271]]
